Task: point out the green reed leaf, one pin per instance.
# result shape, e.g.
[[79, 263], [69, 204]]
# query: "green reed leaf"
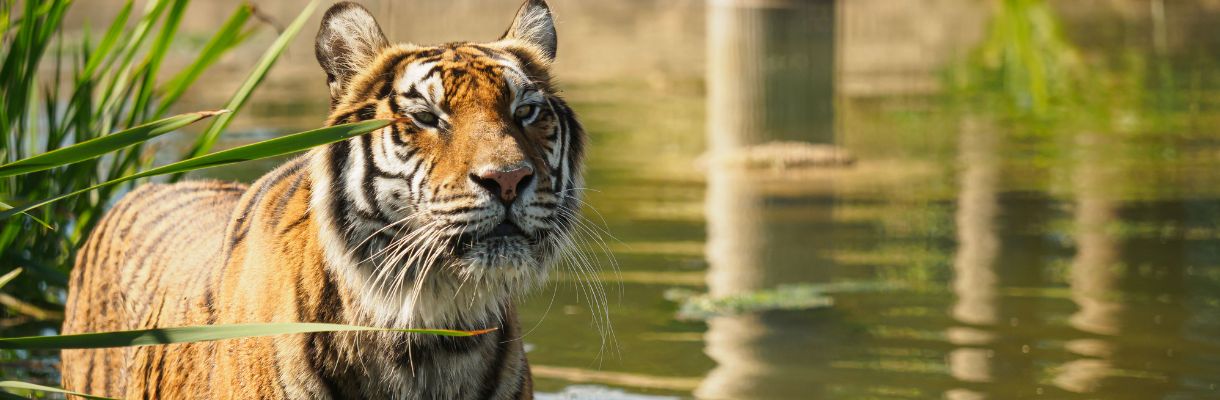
[[202, 333], [229, 35], [103, 144], [205, 141], [153, 59], [264, 149], [41, 388], [5, 207], [109, 39], [8, 277]]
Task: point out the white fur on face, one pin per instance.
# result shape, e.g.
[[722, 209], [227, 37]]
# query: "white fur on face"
[[426, 283]]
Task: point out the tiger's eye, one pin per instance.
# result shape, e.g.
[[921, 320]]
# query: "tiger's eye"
[[425, 118], [525, 111]]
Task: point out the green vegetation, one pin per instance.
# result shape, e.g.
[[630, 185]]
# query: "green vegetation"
[[1027, 59], [77, 111], [76, 114], [76, 118], [265, 149]]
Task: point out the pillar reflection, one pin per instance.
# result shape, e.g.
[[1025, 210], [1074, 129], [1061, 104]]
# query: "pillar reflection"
[[1095, 272], [975, 282], [770, 78]]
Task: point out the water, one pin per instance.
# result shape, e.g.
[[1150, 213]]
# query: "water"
[[1039, 212]]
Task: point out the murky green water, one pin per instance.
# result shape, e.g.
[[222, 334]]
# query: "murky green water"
[[1038, 201]]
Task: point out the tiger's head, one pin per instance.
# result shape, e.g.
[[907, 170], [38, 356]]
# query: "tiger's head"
[[474, 185]]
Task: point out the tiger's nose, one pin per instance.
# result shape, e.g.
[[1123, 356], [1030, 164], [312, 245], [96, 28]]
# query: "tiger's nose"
[[505, 183]]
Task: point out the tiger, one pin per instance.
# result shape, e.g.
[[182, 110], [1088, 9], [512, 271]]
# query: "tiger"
[[445, 218]]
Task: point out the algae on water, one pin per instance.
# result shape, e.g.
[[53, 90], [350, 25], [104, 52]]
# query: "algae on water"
[[805, 296]]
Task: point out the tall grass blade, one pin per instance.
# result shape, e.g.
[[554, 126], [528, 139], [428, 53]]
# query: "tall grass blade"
[[152, 61], [109, 39], [6, 278], [5, 207], [265, 149], [205, 141], [125, 55], [202, 333], [102, 144], [41, 388], [229, 35]]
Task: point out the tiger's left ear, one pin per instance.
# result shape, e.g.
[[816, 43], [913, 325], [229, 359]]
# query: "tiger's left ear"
[[535, 26]]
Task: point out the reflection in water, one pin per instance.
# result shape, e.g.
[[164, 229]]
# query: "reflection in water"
[[770, 78], [975, 282], [1094, 275], [771, 70], [1037, 257]]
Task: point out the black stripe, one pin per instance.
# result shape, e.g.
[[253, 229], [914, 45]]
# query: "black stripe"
[[367, 112], [436, 69], [160, 194], [155, 246], [410, 175], [410, 153], [427, 174], [155, 383], [92, 356], [367, 188], [491, 377], [308, 211], [557, 170], [280, 206], [491, 53], [394, 63], [576, 137], [279, 378], [209, 301], [381, 87], [427, 53], [338, 154], [151, 240], [385, 89], [523, 371], [414, 94], [113, 221], [323, 354], [457, 210], [458, 196], [395, 107], [295, 223], [352, 114]]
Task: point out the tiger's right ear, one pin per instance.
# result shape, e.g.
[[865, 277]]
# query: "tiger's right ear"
[[347, 42], [535, 25]]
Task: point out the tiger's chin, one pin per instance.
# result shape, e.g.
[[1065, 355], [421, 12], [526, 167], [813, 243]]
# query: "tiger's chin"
[[510, 265]]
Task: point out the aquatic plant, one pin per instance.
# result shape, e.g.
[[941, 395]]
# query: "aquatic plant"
[[696, 306]]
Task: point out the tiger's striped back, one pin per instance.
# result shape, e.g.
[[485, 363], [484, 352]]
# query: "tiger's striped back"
[[140, 268]]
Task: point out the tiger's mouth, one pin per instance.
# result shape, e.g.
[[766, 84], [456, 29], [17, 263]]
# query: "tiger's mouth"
[[503, 236], [505, 229]]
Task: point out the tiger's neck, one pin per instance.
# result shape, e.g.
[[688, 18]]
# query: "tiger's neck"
[[332, 286], [402, 292]]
